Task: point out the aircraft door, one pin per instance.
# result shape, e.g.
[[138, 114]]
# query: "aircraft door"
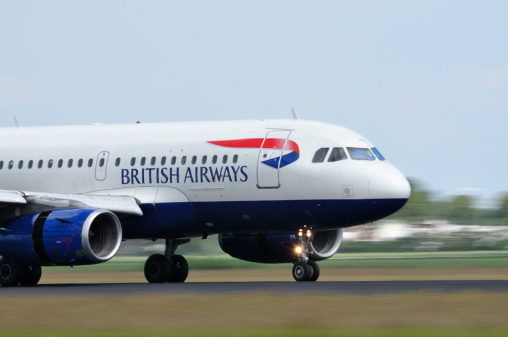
[[269, 158], [101, 165]]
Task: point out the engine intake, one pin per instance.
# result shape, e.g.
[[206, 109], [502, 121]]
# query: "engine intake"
[[324, 244], [73, 236], [279, 247]]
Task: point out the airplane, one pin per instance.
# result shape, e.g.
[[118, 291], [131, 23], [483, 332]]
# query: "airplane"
[[274, 191]]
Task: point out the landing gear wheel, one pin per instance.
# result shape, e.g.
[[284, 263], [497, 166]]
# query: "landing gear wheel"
[[168, 267], [10, 273], [179, 269], [301, 271], [31, 275], [156, 269], [314, 275]]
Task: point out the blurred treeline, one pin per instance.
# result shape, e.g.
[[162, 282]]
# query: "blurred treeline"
[[458, 209], [423, 210], [431, 224]]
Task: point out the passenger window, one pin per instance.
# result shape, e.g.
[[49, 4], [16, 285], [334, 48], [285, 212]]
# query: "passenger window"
[[117, 161], [235, 158], [337, 154], [320, 155], [69, 163], [203, 160], [30, 164], [50, 163], [80, 162], [60, 163], [163, 160], [133, 161], [152, 161], [225, 159], [358, 153], [90, 162], [1, 164], [142, 161], [378, 154], [184, 160], [194, 159], [41, 162], [214, 159], [173, 160], [11, 164], [101, 162], [20, 164]]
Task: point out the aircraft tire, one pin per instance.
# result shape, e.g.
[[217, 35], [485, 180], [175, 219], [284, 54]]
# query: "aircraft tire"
[[156, 269], [179, 269], [301, 271], [314, 275], [10, 273], [31, 275]]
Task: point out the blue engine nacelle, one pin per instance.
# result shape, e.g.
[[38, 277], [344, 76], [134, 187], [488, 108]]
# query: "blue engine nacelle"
[[74, 236], [279, 247]]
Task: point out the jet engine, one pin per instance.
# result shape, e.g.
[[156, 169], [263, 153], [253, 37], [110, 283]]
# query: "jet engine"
[[73, 236], [279, 247]]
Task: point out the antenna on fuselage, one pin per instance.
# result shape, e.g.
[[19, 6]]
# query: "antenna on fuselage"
[[16, 122], [295, 116]]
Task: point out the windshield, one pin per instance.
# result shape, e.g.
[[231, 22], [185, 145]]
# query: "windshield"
[[378, 154], [337, 154], [358, 153]]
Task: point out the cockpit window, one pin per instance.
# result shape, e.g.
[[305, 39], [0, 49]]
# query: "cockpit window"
[[378, 154], [337, 154], [360, 153], [320, 155]]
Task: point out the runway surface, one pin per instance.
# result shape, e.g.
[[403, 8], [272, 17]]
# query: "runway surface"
[[283, 288]]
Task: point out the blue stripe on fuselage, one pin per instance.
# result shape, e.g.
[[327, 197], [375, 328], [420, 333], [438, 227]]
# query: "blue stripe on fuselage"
[[184, 219], [284, 160]]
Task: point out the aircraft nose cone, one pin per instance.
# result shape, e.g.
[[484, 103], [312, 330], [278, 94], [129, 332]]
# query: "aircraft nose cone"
[[389, 183]]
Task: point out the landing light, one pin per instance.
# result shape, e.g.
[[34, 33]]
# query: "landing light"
[[298, 250]]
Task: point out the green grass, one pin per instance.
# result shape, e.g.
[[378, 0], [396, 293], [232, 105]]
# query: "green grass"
[[256, 314], [282, 332], [485, 259], [438, 262]]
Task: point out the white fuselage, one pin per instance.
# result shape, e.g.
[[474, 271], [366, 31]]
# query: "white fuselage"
[[174, 163]]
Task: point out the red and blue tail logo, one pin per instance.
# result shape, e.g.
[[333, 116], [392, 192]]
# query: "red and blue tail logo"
[[270, 143]]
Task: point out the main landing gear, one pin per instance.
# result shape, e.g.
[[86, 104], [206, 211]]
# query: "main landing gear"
[[168, 267], [13, 274], [303, 268]]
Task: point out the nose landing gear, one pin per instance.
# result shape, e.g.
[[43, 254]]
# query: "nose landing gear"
[[303, 268], [168, 267]]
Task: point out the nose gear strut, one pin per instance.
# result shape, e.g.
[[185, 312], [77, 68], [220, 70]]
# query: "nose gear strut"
[[304, 269]]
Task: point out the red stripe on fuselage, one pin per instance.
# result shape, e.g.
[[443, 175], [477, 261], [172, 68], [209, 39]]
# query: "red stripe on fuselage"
[[251, 143], [255, 143]]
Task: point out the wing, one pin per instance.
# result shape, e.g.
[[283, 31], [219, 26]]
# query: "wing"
[[113, 203], [12, 197]]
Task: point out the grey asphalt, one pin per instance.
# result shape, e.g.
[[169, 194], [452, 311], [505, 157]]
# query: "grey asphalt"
[[282, 288]]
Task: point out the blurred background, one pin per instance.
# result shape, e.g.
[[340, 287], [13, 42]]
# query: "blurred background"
[[425, 224]]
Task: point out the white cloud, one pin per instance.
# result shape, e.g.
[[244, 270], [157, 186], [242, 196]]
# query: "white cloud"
[[488, 78], [469, 189]]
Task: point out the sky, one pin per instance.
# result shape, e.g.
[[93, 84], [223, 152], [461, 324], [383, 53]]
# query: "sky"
[[426, 81]]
